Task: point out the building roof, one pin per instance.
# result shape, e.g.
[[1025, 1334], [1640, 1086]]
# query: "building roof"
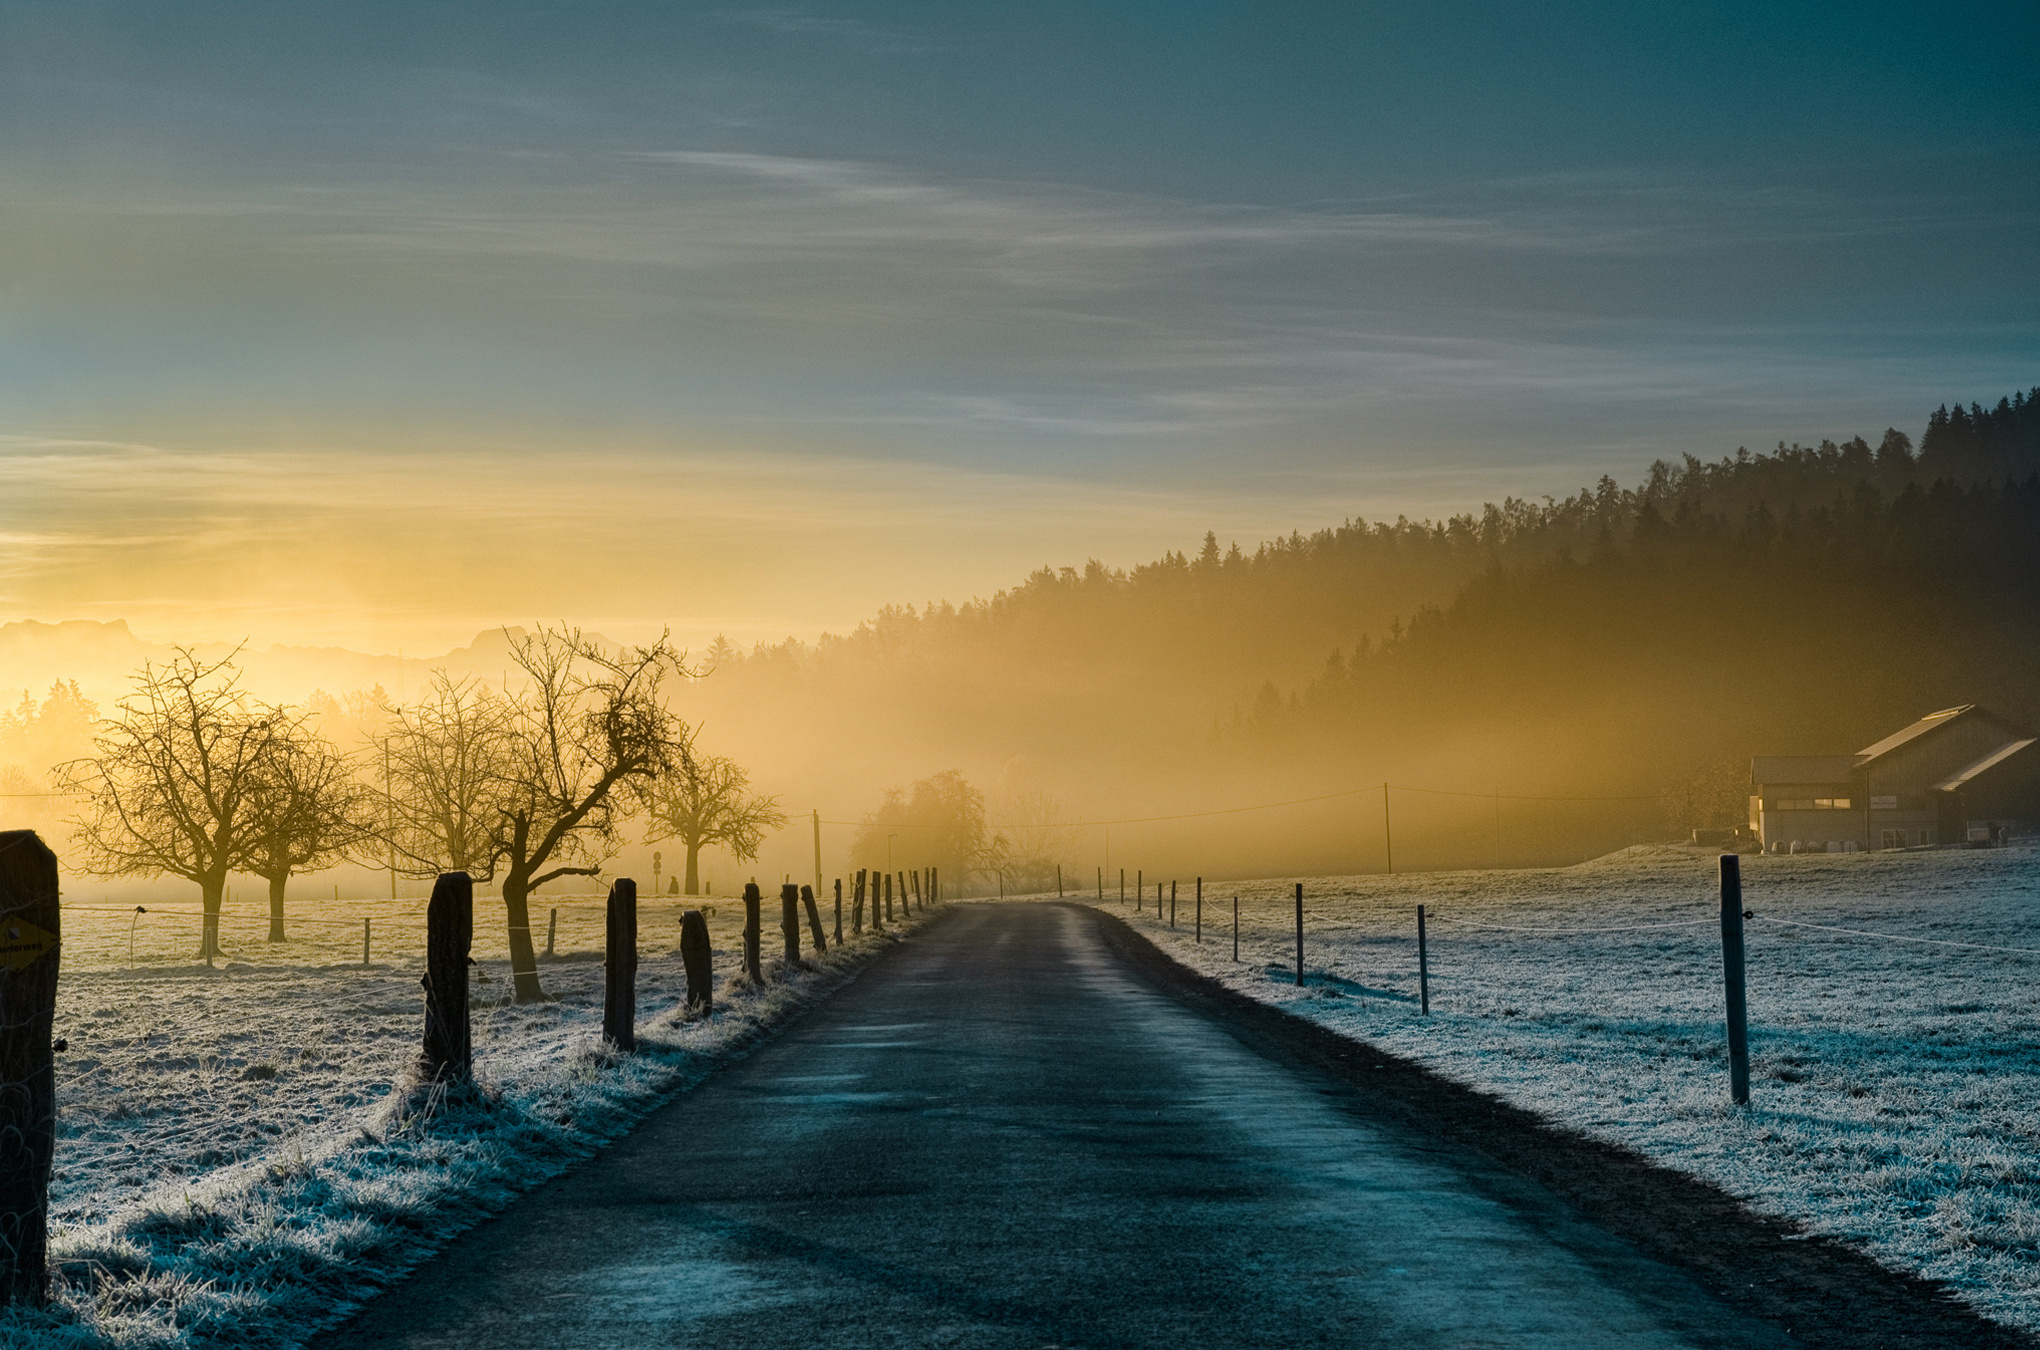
[[1803, 768], [1931, 722], [1998, 756]]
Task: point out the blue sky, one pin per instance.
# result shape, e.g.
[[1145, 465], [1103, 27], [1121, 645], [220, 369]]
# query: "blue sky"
[[748, 274]]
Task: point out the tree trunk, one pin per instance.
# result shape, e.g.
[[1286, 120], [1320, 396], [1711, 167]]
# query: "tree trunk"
[[694, 869], [211, 891], [523, 956], [276, 885]]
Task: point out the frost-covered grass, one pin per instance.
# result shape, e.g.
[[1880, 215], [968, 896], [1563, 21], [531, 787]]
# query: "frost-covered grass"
[[242, 1157], [1896, 1086]]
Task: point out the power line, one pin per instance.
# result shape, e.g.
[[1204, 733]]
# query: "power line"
[[1269, 806]]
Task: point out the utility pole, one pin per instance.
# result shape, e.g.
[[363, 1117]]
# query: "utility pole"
[[390, 807], [1387, 839]]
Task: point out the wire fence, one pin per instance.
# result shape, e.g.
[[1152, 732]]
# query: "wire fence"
[[100, 936], [1365, 932]]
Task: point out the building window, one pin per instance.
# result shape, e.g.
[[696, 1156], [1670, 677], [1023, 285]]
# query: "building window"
[[1811, 804]]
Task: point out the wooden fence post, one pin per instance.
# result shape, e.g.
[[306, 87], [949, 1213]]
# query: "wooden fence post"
[[1299, 935], [1139, 889], [935, 884], [364, 942], [1423, 967], [619, 967], [1732, 980], [839, 911], [857, 904], [448, 1055], [920, 902], [888, 898], [1058, 881], [552, 928], [1172, 903], [814, 917], [30, 926], [1236, 928], [1101, 885], [753, 932], [789, 922], [698, 960], [1122, 885], [1200, 909]]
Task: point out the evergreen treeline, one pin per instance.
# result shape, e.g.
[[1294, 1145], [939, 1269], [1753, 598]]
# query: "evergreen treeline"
[[1623, 639]]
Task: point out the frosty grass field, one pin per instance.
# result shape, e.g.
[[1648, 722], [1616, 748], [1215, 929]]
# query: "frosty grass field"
[[1895, 1098], [236, 1163]]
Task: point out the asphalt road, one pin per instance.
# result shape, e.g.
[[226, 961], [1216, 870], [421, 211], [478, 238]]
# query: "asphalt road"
[[1000, 1135]]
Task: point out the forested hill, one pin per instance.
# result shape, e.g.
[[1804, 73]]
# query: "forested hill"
[[1622, 639]]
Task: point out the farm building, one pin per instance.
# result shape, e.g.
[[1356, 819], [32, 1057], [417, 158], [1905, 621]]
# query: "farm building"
[[1960, 775]]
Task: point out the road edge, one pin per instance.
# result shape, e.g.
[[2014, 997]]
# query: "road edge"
[[1819, 1290]]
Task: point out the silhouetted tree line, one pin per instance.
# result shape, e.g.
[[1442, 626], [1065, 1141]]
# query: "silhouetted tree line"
[[1708, 621], [1626, 638]]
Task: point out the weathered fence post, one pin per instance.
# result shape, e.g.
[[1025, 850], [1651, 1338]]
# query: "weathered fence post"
[[1236, 928], [1122, 885], [552, 928], [1172, 904], [619, 967], [839, 911], [1058, 881], [920, 903], [814, 917], [364, 942], [935, 884], [1200, 909], [857, 904], [30, 925], [754, 927], [449, 1055], [1732, 979], [1299, 935], [1139, 889], [1423, 967], [1101, 885], [888, 897], [698, 960], [789, 922]]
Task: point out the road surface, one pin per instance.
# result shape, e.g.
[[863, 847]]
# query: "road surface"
[[1001, 1135]]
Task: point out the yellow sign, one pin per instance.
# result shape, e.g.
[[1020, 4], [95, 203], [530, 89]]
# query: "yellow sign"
[[21, 943]]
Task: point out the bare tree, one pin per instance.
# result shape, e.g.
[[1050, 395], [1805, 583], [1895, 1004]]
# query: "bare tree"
[[174, 784], [939, 820], [588, 730], [448, 763], [705, 803], [310, 811], [1031, 842]]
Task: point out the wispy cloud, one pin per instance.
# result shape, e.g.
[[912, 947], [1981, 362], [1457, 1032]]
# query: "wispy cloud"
[[802, 23]]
